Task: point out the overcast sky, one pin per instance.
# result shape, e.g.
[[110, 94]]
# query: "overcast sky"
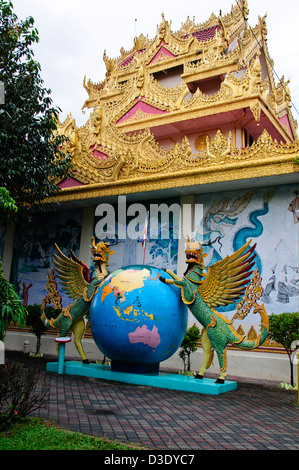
[[73, 35]]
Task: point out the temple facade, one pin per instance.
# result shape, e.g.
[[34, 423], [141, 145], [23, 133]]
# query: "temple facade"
[[191, 128]]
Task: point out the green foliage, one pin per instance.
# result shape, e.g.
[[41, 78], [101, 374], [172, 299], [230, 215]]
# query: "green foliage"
[[11, 308], [30, 153], [7, 205], [189, 345], [36, 434], [35, 322], [284, 328], [22, 391]]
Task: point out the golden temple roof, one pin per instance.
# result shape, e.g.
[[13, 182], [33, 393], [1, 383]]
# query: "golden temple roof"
[[170, 110]]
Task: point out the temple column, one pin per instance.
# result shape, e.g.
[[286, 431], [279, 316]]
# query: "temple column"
[[186, 228], [87, 232]]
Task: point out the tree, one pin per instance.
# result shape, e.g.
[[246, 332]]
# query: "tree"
[[31, 157], [7, 205], [34, 320], [11, 308], [284, 328], [189, 345]]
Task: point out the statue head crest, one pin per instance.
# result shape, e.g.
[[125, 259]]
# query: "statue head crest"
[[194, 252], [100, 251]]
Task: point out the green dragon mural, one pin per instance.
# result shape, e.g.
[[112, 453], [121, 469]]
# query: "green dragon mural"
[[224, 282]]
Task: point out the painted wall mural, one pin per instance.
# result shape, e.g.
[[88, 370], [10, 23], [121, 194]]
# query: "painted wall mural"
[[34, 252], [162, 235], [269, 216]]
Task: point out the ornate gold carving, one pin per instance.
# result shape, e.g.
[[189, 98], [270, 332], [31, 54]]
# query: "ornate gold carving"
[[137, 163], [200, 142], [138, 116], [53, 294], [218, 148], [268, 346], [116, 147], [129, 77], [252, 294]]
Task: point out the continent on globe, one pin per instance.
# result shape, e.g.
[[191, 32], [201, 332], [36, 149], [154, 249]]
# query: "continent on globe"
[[125, 281], [143, 335], [130, 279], [131, 313]]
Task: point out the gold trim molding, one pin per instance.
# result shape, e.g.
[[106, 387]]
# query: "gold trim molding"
[[152, 168]]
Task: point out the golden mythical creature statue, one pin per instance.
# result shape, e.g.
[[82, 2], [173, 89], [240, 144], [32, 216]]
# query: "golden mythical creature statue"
[[75, 279], [224, 283]]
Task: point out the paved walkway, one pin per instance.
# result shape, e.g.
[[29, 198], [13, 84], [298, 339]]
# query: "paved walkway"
[[253, 417]]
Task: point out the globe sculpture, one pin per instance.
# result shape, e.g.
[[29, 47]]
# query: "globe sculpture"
[[136, 320]]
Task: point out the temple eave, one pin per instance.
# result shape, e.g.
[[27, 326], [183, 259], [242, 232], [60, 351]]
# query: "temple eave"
[[159, 122], [217, 69], [232, 172]]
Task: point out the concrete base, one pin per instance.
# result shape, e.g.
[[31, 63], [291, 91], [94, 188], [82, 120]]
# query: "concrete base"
[[158, 379], [241, 364], [134, 368]]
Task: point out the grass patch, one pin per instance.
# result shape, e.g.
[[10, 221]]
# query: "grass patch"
[[37, 434]]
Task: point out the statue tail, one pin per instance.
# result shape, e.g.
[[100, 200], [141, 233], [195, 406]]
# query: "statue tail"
[[249, 344], [52, 322]]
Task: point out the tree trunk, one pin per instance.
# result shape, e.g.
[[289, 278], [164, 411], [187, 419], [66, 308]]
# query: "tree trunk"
[[291, 367], [37, 344], [189, 362]]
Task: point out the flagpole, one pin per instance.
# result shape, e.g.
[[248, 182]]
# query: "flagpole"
[[144, 248], [144, 236]]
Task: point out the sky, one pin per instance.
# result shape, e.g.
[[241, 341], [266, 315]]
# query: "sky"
[[74, 34]]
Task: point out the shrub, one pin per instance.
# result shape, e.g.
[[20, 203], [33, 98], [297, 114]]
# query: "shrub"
[[22, 391], [189, 345], [284, 328], [35, 322]]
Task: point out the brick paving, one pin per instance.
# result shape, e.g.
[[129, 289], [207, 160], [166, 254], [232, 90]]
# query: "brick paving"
[[253, 417]]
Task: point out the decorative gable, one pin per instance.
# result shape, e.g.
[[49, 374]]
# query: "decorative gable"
[[162, 54], [140, 110]]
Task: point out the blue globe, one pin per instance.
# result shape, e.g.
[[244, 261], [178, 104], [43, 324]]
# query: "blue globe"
[[136, 319]]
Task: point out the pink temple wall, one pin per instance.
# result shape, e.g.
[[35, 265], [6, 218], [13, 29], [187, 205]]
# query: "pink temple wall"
[[69, 183], [285, 121], [162, 52], [144, 107], [96, 152]]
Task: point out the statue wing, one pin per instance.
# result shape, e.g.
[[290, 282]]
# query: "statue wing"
[[72, 273], [226, 280]]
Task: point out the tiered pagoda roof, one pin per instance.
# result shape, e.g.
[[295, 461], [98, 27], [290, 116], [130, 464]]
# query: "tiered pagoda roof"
[[186, 108]]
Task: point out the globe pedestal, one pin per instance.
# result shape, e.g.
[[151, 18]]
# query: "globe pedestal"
[[160, 379], [134, 368]]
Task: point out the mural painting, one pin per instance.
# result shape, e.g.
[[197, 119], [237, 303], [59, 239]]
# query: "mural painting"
[[269, 217], [161, 248], [34, 251]]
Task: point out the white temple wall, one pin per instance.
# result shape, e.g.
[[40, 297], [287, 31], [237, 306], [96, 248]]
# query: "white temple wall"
[[261, 214]]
